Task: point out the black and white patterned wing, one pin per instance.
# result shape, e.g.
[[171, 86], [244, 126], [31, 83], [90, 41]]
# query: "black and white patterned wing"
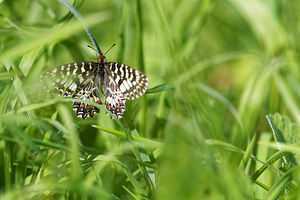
[[90, 92], [114, 98], [69, 79], [76, 80], [131, 82]]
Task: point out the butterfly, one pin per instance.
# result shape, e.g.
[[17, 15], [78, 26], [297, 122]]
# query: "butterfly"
[[114, 81]]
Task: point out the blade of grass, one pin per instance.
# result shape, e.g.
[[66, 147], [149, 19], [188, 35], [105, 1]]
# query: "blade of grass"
[[122, 28], [54, 34], [288, 97], [47, 144], [111, 157], [199, 67], [134, 137], [35, 106], [141, 62], [278, 155], [21, 94], [76, 171], [130, 193], [147, 174], [281, 184], [160, 88], [85, 26], [293, 148], [233, 148], [263, 22], [23, 138], [210, 91], [246, 157]]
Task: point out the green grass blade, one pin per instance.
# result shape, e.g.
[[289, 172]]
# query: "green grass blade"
[[76, 171], [85, 26], [134, 137], [54, 34], [246, 157], [160, 88], [281, 184]]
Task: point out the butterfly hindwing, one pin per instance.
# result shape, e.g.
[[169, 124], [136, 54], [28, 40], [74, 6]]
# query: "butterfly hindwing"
[[131, 82], [83, 110], [88, 90], [114, 99]]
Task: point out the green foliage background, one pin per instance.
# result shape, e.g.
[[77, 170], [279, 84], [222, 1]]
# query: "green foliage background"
[[206, 129]]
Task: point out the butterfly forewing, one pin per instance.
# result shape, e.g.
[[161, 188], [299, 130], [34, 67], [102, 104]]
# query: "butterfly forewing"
[[131, 82], [68, 78]]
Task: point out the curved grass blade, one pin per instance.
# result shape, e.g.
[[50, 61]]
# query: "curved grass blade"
[[215, 94], [159, 88], [281, 184], [76, 170], [278, 155], [246, 157], [54, 34], [134, 137], [86, 28], [35, 106], [139, 156]]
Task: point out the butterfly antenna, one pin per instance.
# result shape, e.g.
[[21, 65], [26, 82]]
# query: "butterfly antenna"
[[92, 48], [109, 49]]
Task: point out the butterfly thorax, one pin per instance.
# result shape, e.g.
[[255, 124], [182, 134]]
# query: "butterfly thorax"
[[101, 59], [101, 71]]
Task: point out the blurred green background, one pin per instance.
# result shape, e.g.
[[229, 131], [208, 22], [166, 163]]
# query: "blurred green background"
[[220, 119]]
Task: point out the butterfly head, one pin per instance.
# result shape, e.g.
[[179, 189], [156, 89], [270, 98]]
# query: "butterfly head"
[[101, 59]]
